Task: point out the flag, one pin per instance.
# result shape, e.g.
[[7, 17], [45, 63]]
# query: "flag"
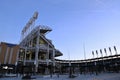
[[105, 51], [101, 52], [93, 53], [110, 50], [115, 48], [97, 53]]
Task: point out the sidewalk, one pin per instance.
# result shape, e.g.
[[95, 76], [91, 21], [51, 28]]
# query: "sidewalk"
[[102, 76]]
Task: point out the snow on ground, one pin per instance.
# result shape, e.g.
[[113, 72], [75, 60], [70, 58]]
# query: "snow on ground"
[[102, 76]]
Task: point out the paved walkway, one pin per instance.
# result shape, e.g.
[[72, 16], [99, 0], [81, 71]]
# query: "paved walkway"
[[102, 76]]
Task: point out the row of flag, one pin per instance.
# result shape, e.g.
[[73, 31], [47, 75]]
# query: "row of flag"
[[104, 51]]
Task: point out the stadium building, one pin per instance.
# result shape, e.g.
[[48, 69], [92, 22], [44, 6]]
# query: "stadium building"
[[37, 54], [37, 51], [8, 56], [93, 66]]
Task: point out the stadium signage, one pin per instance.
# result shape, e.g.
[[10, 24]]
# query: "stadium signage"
[[28, 26]]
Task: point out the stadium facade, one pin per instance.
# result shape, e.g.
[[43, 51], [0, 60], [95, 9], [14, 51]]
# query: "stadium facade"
[[40, 53], [94, 65], [8, 53], [36, 50], [37, 54], [8, 56]]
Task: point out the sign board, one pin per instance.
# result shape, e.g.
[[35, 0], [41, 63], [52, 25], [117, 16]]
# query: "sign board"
[[28, 26]]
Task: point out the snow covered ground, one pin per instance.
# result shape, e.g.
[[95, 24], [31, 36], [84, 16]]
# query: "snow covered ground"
[[102, 76]]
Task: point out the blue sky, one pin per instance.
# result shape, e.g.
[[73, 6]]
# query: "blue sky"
[[94, 24]]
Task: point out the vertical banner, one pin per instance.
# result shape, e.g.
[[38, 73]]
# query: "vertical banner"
[[101, 52], [29, 26], [93, 53], [97, 53], [115, 49], [110, 50], [105, 51]]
